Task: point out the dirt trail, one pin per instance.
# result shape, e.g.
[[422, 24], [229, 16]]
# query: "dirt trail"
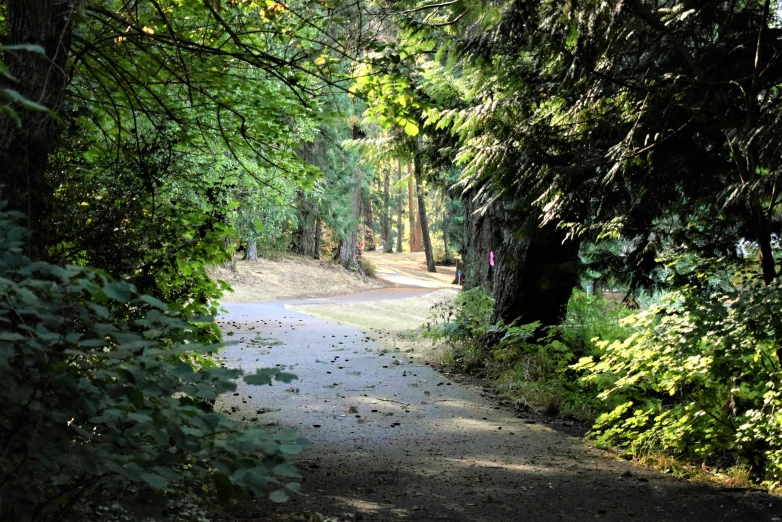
[[394, 440]]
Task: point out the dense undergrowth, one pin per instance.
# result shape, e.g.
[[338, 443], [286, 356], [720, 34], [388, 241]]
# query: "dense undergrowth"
[[107, 402], [694, 379]]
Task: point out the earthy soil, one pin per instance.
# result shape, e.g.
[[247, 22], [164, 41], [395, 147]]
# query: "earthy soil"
[[395, 440]]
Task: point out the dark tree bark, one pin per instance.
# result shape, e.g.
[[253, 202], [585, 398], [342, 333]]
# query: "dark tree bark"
[[308, 217], [385, 223], [422, 219], [415, 246], [534, 271], [348, 246], [24, 150], [369, 219], [318, 235], [400, 228], [445, 246]]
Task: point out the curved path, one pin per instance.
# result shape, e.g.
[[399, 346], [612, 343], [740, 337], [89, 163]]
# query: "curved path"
[[397, 441]]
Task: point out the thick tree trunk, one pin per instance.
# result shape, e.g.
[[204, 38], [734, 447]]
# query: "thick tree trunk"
[[533, 273], [252, 250], [369, 219], [385, 225], [24, 150], [422, 219], [349, 245], [415, 246], [308, 216], [539, 288], [400, 228]]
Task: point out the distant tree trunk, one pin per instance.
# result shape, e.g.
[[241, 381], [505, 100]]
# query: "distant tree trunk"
[[307, 218], [348, 246], [448, 216], [385, 225], [369, 219], [307, 240], [534, 271], [422, 219], [318, 235], [419, 233], [400, 229], [24, 150], [252, 250], [458, 279], [415, 245], [229, 246]]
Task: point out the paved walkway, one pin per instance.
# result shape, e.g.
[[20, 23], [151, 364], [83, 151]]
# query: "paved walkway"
[[397, 441]]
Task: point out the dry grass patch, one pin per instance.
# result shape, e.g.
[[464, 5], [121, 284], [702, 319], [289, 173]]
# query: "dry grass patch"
[[290, 277], [395, 322]]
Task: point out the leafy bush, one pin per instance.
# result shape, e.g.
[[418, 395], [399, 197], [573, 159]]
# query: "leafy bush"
[[464, 320], [98, 401], [534, 371], [440, 257], [699, 376], [368, 267], [590, 319]]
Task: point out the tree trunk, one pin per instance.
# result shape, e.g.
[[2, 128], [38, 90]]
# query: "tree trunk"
[[534, 273], [385, 225], [24, 150], [307, 217], [415, 246], [252, 250], [445, 246], [318, 235], [349, 245], [422, 219], [400, 229], [369, 219], [229, 247]]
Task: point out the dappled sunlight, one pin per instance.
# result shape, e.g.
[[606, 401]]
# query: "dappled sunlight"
[[369, 507], [382, 402], [390, 314], [493, 464]]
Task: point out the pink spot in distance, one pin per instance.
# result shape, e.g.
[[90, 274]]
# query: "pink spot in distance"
[[491, 258]]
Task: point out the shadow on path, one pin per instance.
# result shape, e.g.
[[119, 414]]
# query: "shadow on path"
[[398, 441]]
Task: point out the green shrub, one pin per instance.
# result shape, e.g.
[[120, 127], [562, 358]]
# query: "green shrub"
[[368, 267], [106, 396], [440, 257], [465, 320], [590, 319], [534, 371], [699, 376]]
